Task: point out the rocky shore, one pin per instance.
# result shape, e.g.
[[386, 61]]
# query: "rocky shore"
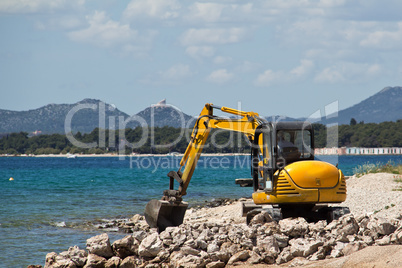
[[217, 236]]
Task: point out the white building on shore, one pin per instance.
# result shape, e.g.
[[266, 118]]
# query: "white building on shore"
[[358, 151]]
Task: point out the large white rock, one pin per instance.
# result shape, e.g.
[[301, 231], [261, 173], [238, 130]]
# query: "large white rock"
[[239, 256], [53, 260], [95, 261], [150, 246], [113, 262], [128, 262], [380, 226], [213, 247], [294, 227], [301, 247], [100, 245], [268, 244], [77, 255], [126, 246]]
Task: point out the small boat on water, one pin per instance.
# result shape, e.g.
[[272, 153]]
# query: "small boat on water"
[[71, 155]]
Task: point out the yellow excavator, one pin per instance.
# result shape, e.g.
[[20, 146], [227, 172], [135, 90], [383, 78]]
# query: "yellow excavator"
[[284, 172]]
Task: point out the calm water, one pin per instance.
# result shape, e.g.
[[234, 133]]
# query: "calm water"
[[48, 193]]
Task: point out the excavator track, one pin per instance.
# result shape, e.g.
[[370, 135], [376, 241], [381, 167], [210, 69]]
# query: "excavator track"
[[310, 212]]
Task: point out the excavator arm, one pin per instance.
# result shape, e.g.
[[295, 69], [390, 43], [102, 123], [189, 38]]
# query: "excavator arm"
[[170, 210]]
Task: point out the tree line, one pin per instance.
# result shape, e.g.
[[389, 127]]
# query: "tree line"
[[370, 135], [160, 140]]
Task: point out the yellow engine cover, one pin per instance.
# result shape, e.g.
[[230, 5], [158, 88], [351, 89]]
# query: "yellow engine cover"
[[313, 174], [305, 182]]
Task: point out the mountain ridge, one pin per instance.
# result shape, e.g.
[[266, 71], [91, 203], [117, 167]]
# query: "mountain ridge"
[[385, 105], [87, 114], [51, 117]]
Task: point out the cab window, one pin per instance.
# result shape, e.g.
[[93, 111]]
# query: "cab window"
[[262, 159], [294, 145]]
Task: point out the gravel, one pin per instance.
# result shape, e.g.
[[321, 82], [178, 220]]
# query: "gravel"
[[374, 193]]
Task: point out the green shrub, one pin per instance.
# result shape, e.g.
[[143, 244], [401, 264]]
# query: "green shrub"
[[389, 167]]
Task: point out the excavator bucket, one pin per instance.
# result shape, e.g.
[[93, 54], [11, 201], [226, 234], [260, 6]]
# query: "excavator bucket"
[[161, 214]]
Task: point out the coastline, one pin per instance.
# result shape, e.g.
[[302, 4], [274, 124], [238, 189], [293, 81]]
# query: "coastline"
[[120, 155], [318, 152], [170, 155]]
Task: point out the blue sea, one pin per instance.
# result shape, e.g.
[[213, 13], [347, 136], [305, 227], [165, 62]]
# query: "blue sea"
[[47, 205]]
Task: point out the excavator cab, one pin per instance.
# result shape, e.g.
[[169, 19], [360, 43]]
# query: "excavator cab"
[[277, 145]]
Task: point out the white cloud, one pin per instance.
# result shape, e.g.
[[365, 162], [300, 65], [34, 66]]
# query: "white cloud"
[[220, 76], [348, 71], [213, 36], [248, 66], [330, 74], [176, 72], [174, 75], [270, 77], [310, 33], [303, 69], [208, 12], [222, 60], [267, 78], [195, 13], [374, 69], [199, 52], [103, 31], [218, 12], [156, 9], [384, 39], [34, 6]]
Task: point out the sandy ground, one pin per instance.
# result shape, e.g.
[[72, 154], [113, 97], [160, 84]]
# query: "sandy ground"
[[372, 193], [374, 256]]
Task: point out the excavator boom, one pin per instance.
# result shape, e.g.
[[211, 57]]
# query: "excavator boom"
[[170, 210]]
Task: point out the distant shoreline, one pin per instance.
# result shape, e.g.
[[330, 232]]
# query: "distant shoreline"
[[318, 151], [119, 155]]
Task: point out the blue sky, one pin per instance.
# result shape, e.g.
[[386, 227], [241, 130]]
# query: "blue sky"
[[275, 57]]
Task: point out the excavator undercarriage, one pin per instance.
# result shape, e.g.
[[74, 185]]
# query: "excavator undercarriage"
[[312, 213]]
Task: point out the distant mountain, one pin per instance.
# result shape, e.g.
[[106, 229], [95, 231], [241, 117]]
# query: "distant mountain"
[[88, 114], [282, 118], [385, 105], [163, 114], [84, 116]]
